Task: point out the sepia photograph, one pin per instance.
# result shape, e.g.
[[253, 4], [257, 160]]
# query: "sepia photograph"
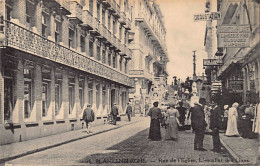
[[129, 82]]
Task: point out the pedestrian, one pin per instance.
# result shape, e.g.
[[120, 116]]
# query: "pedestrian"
[[215, 123], [129, 111], [172, 115], [198, 124], [114, 113], [156, 116], [232, 121], [88, 117], [226, 107], [182, 113]]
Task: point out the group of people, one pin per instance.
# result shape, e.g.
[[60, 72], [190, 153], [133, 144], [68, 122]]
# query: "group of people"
[[175, 116]]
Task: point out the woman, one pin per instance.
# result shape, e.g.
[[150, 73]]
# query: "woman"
[[156, 116], [172, 115], [232, 121], [225, 116]]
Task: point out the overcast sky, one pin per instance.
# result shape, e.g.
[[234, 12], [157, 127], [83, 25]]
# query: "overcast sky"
[[183, 36]]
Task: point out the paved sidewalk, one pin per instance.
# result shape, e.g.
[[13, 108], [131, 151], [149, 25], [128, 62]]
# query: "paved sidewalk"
[[244, 151], [19, 149]]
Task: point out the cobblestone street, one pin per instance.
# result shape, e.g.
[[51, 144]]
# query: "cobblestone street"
[[128, 145]]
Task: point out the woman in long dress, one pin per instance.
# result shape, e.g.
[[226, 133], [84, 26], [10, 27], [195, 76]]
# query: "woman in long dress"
[[156, 116], [232, 121], [172, 115]]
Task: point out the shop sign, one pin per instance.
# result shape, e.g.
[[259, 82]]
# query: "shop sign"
[[236, 85], [212, 62], [233, 35], [207, 16]]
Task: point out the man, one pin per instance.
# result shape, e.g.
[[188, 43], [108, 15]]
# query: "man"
[[182, 112], [129, 111], [88, 117], [215, 121], [114, 113], [198, 124]]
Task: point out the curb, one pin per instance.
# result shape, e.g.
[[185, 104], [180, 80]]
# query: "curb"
[[3, 160], [229, 150]]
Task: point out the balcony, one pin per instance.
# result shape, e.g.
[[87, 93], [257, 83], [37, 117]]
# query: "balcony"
[[76, 12], [122, 50], [87, 19], [112, 6], [22, 39], [107, 3], [102, 32], [60, 6], [128, 24], [122, 18], [113, 41], [115, 9], [95, 29]]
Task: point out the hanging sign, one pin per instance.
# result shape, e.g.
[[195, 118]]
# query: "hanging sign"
[[212, 62], [233, 35], [207, 16]]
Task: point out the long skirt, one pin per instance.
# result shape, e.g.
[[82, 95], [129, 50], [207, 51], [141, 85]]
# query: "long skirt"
[[155, 132], [232, 127], [171, 129]]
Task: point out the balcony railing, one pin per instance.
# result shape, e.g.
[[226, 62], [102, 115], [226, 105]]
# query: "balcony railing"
[[61, 6], [122, 18], [25, 40]]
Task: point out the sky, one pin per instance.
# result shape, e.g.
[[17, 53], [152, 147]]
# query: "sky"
[[183, 36]]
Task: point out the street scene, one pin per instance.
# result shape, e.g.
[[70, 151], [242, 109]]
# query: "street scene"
[[129, 82]]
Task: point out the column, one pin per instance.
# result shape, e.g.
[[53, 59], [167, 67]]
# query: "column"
[[85, 92], [94, 106], [95, 8], [87, 43], [52, 27], [52, 88], [108, 95], [37, 92], [65, 31], [77, 103], [77, 38], [19, 94], [38, 17], [95, 48], [1, 90]]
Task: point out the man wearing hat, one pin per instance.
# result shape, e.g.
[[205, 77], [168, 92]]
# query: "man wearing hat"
[[88, 117], [198, 123], [114, 113], [182, 112], [129, 111]]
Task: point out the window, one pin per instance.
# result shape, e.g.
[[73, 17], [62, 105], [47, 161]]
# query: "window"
[[120, 63], [9, 82], [114, 26], [114, 61], [104, 99], [91, 47], [120, 32], [109, 59], [98, 11], [109, 22], [8, 12], [45, 25], [58, 91], [28, 91], [126, 37], [90, 91], [81, 90], [91, 6], [97, 94], [98, 53], [82, 43], [57, 25], [46, 83], [71, 92], [30, 12], [71, 38], [104, 56], [126, 66], [103, 17]]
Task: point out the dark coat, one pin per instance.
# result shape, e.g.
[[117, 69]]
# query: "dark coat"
[[155, 113], [88, 115], [198, 118], [129, 109], [114, 111], [215, 118]]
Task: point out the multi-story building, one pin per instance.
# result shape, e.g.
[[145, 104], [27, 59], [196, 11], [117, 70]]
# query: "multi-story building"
[[148, 65], [57, 56], [241, 61]]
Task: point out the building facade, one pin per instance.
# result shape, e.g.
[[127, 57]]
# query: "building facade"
[[56, 57], [148, 65], [239, 72]]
